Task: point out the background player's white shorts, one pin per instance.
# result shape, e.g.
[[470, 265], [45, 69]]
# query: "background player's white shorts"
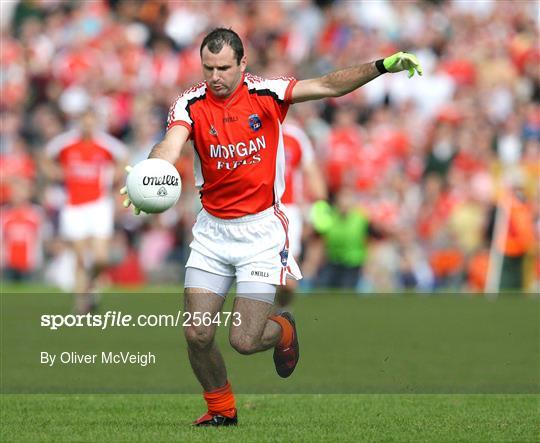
[[94, 219], [294, 214], [250, 248]]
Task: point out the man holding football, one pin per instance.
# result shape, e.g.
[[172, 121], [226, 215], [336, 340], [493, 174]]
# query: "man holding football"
[[235, 122]]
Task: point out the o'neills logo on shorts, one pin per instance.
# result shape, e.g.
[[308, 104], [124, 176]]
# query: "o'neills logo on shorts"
[[260, 274], [170, 180]]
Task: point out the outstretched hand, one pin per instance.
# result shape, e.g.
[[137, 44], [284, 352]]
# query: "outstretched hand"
[[127, 202], [403, 61]]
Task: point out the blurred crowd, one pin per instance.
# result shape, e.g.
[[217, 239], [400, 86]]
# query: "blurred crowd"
[[444, 167]]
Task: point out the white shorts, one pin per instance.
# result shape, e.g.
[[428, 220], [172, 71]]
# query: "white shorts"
[[94, 219], [250, 248], [294, 214]]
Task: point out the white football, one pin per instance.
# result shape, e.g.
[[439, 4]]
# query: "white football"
[[153, 185]]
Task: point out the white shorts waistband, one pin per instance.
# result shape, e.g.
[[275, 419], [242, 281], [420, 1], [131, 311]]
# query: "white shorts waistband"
[[245, 219]]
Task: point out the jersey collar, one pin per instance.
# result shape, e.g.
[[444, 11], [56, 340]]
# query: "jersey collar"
[[230, 98]]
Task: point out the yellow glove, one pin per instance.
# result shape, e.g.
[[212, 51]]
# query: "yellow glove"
[[127, 201], [400, 61]]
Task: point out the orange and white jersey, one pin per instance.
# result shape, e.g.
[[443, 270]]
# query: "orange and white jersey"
[[238, 141], [88, 164], [21, 237], [298, 152]]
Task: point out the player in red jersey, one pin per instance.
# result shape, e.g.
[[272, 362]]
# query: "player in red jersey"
[[87, 161], [21, 232], [235, 122], [300, 168]]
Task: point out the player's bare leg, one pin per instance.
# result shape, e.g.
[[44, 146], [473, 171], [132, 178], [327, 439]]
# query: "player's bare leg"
[[206, 360], [93, 251], [100, 261], [82, 302], [258, 331], [100, 257]]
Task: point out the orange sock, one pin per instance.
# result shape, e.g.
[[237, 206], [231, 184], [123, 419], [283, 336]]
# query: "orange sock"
[[286, 331], [221, 401]]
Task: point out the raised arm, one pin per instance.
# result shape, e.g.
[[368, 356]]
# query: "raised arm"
[[343, 81]]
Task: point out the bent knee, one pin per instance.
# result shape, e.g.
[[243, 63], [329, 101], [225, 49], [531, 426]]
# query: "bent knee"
[[244, 345], [199, 337], [101, 260]]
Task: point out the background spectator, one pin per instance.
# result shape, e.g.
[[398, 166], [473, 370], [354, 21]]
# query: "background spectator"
[[424, 158]]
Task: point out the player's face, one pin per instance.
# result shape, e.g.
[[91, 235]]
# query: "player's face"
[[88, 122], [345, 200], [221, 71]]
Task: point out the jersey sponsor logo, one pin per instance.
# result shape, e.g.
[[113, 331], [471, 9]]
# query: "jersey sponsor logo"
[[237, 163], [159, 181], [84, 170], [240, 154], [254, 122], [260, 274], [241, 149]]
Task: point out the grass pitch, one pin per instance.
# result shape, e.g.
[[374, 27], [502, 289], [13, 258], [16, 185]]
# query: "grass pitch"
[[389, 368], [273, 418]]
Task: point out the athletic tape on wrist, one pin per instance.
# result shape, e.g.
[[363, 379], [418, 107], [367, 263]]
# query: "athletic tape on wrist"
[[379, 64]]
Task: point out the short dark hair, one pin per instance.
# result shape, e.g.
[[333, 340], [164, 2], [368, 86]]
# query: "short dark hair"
[[222, 36]]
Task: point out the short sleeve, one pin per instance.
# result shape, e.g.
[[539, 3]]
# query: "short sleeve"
[[115, 147], [179, 112], [57, 144], [279, 88], [304, 142]]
